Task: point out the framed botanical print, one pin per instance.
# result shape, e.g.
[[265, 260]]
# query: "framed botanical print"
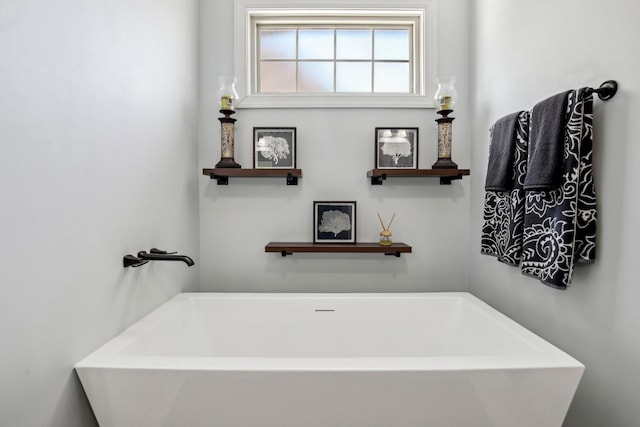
[[334, 222], [274, 148], [396, 148]]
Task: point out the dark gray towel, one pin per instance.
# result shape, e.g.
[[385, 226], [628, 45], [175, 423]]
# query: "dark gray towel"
[[501, 153], [546, 142]]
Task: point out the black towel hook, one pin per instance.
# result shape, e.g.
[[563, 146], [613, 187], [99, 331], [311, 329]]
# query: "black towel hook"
[[607, 90]]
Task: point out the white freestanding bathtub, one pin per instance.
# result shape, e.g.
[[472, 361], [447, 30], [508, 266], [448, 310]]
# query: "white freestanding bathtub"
[[328, 360]]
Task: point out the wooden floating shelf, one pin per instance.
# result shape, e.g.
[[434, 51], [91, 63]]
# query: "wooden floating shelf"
[[288, 248], [446, 175], [222, 174]]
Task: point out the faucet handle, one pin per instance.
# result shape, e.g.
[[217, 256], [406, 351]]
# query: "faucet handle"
[[160, 251], [133, 261]]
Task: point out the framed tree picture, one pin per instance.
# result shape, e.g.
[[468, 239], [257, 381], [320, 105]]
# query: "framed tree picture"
[[396, 148], [334, 222], [274, 148]]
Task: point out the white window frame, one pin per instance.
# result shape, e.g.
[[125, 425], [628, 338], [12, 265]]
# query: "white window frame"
[[248, 12]]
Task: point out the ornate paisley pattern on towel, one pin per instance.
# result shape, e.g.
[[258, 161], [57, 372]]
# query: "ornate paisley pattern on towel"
[[560, 224], [503, 217]]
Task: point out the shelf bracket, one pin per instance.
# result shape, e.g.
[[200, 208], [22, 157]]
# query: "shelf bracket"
[[396, 254], [377, 180], [285, 253], [292, 180], [222, 180], [446, 180]]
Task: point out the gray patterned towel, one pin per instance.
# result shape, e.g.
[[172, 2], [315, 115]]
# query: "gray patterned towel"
[[560, 224], [503, 217]]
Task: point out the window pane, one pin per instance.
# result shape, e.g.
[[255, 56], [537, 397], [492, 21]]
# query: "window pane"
[[315, 76], [391, 45], [391, 77], [315, 44], [277, 44], [353, 44], [353, 77], [277, 76]]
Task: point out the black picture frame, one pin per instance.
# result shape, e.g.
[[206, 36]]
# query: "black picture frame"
[[396, 148], [334, 222], [274, 148]]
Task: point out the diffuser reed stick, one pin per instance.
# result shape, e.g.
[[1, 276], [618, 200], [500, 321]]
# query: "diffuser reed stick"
[[381, 223], [392, 218]]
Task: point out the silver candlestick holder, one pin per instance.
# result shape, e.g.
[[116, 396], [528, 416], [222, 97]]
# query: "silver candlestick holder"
[[227, 140], [444, 141]]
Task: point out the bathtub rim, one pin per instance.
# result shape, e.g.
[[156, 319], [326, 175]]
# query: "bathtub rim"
[[107, 355]]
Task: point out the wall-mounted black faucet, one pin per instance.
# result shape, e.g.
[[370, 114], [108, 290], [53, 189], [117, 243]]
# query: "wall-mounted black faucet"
[[154, 254]]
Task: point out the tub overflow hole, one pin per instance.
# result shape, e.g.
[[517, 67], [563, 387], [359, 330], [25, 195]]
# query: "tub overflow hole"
[[324, 310]]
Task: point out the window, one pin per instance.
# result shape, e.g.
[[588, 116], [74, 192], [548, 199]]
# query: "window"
[[339, 55], [344, 59]]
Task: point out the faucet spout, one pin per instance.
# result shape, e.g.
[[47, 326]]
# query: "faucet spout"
[[158, 256]]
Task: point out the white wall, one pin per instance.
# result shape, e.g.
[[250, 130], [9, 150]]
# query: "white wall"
[[97, 115], [525, 51], [335, 150], [97, 133]]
